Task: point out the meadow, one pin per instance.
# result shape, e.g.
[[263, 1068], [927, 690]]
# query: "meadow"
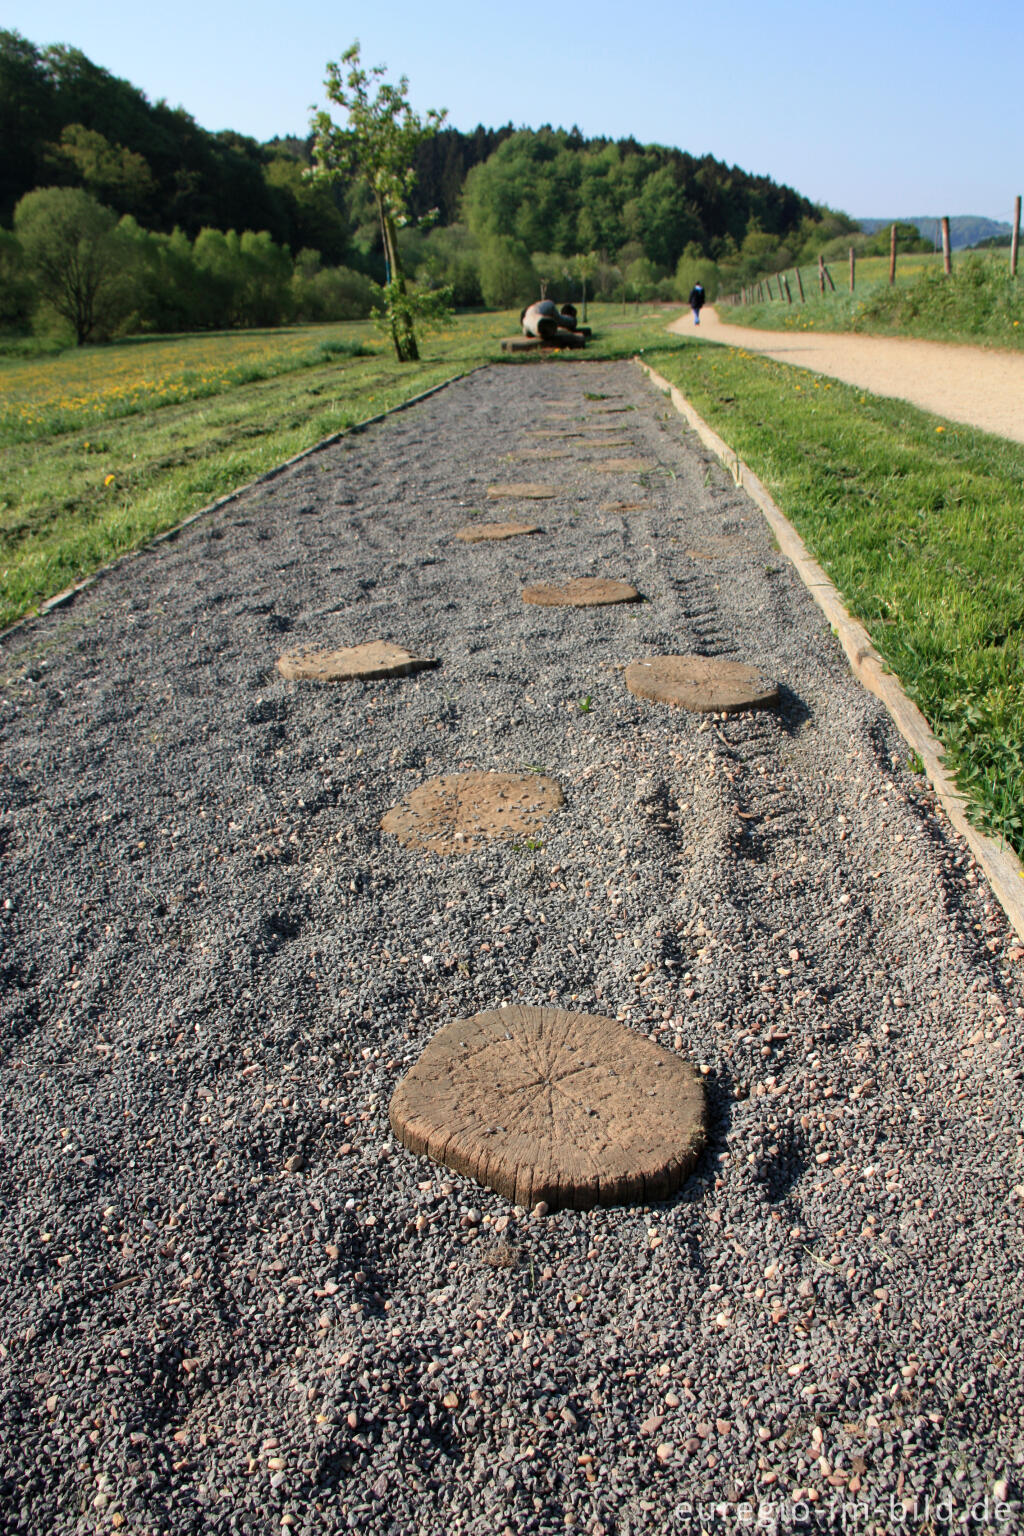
[[980, 303]]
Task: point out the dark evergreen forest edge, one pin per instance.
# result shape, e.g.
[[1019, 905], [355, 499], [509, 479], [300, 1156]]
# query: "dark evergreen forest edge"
[[207, 230]]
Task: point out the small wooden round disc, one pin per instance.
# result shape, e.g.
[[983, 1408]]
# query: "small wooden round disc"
[[582, 592], [377, 658], [539, 1104], [457, 812], [701, 683], [622, 466], [475, 533], [542, 453], [522, 490]]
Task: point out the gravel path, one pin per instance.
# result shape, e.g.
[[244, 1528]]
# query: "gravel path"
[[233, 1303], [980, 386]]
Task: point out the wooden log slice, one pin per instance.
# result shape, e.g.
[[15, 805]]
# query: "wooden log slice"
[[459, 811], [520, 344], [475, 533], [376, 658], [542, 453], [701, 683], [521, 490], [539, 1104], [622, 466], [582, 592]]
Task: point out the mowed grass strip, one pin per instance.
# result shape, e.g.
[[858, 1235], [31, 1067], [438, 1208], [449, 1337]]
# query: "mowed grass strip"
[[105, 449], [918, 522]]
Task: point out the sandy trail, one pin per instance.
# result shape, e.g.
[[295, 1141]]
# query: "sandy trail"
[[973, 385]]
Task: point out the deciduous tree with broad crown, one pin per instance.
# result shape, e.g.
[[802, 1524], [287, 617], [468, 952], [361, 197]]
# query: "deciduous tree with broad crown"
[[379, 145]]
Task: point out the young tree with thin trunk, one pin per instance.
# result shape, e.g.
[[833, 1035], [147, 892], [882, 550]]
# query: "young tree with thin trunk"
[[379, 145]]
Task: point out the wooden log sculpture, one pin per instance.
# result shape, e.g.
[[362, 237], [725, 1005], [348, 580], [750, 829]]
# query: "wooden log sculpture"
[[544, 319]]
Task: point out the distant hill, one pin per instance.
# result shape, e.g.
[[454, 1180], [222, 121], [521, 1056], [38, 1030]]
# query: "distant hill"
[[965, 229]]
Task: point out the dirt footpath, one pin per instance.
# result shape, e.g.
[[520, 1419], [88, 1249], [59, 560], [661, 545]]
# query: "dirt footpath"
[[970, 384]]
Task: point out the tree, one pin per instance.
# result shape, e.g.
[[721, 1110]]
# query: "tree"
[[72, 251], [507, 275], [112, 174], [583, 267], [379, 146], [17, 295]]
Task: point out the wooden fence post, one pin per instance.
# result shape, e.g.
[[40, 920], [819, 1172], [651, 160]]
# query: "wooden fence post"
[[892, 256], [789, 296], [853, 269], [1015, 237], [800, 285], [947, 255], [821, 274], [828, 275]]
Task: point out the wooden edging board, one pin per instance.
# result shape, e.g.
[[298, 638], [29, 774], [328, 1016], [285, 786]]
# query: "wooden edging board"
[[62, 599], [1004, 870]]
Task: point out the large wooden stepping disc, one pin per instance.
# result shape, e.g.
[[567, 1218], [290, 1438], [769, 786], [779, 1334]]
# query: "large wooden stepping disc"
[[622, 466], [456, 813], [582, 592], [539, 1104], [523, 490], [377, 658], [474, 533], [701, 683]]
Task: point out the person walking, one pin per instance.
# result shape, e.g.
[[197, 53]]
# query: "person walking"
[[696, 301]]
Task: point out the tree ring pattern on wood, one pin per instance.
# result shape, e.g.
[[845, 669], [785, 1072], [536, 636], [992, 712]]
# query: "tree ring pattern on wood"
[[476, 533], [459, 811], [521, 490], [539, 1104], [374, 659], [701, 683], [582, 592]]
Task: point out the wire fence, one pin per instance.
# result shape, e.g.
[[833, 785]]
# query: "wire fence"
[[777, 287]]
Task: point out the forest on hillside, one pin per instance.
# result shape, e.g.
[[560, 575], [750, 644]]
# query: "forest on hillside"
[[197, 229]]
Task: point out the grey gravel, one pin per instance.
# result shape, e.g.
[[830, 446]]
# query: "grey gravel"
[[232, 1303]]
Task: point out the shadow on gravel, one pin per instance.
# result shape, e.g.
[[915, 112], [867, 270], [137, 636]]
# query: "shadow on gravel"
[[784, 1162], [792, 712], [960, 902]]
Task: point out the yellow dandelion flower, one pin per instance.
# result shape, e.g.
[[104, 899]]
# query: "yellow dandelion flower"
[[940, 429], [110, 478]]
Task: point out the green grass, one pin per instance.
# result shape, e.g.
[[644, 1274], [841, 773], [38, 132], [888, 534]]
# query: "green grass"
[[917, 521], [106, 447], [980, 303]]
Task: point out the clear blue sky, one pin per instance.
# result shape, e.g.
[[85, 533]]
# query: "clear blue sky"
[[880, 108]]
